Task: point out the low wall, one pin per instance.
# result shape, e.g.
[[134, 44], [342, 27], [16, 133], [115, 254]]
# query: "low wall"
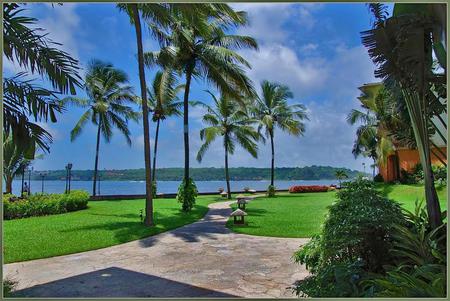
[[113, 197]]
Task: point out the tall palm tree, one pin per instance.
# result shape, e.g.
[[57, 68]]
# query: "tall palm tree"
[[108, 93], [163, 102], [14, 162], [199, 47], [272, 110], [228, 120]]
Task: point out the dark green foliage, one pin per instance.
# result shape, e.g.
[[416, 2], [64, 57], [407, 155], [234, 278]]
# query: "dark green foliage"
[[187, 194], [8, 286], [271, 191], [44, 204], [420, 260], [204, 174], [354, 242], [378, 178]]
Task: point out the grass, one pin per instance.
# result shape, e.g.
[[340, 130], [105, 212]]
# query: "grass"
[[301, 215], [103, 224]]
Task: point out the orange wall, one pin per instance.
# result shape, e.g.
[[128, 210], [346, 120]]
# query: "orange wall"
[[408, 159]]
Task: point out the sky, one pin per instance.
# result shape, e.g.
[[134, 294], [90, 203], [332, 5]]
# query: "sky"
[[315, 49]]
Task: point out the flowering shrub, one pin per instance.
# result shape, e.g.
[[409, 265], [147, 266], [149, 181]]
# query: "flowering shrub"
[[311, 188], [44, 204]]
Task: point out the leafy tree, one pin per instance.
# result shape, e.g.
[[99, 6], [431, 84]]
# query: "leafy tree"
[[402, 47], [340, 175], [198, 46], [272, 110], [31, 49], [163, 102], [108, 93], [228, 120]]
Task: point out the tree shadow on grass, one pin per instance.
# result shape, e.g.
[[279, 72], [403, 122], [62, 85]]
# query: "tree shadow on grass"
[[386, 189], [117, 282]]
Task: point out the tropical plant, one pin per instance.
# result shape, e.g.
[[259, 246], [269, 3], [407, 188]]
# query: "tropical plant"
[[197, 45], [340, 175], [354, 242], [272, 110], [402, 47], [228, 120], [187, 192], [31, 49], [14, 162], [420, 260], [108, 93], [163, 103]]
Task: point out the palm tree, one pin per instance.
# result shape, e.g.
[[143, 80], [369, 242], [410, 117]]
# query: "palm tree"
[[226, 119], [198, 46], [340, 175], [14, 163], [402, 47], [272, 110], [106, 105], [31, 49], [163, 102]]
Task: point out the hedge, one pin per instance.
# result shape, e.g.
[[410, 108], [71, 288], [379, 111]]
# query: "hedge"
[[311, 188], [43, 204]]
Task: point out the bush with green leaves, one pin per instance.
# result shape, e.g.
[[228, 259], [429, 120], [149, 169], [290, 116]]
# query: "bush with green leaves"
[[378, 178], [420, 260], [354, 242], [187, 194], [44, 204], [271, 191], [8, 287]]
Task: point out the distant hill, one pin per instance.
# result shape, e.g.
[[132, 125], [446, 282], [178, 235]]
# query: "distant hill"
[[204, 174]]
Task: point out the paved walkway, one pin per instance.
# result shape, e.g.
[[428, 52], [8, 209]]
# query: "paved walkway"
[[203, 259]]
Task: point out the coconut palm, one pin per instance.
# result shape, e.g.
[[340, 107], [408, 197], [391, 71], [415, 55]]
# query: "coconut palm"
[[163, 102], [199, 47], [106, 105], [272, 110], [340, 175], [14, 162], [30, 48], [228, 120]]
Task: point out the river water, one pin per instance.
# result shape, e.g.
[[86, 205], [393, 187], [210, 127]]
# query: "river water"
[[138, 187]]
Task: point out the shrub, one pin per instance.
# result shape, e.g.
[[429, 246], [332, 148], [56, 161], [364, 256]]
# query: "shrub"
[[8, 287], [354, 242], [187, 194], [44, 204], [311, 188], [440, 174], [246, 189], [154, 189], [420, 260], [271, 191], [378, 178]]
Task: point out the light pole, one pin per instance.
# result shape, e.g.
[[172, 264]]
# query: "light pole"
[[42, 181], [99, 177], [67, 178], [30, 169], [23, 179], [364, 167], [69, 167]]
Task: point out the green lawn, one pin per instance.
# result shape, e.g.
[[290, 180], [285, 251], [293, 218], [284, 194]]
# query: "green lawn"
[[103, 224], [300, 215]]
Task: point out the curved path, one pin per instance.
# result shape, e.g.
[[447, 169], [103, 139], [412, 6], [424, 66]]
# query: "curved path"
[[202, 259]]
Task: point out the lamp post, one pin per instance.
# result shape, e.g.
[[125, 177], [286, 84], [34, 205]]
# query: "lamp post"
[[23, 179], [364, 167], [69, 167], [30, 169], [67, 178], [99, 177], [42, 181]]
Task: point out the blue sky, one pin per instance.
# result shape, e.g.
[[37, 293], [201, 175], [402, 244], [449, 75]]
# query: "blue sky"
[[315, 49]]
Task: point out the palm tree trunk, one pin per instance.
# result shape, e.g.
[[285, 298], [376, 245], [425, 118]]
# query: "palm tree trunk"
[[227, 175], [8, 184], [186, 124], [148, 181], [97, 148], [272, 169], [155, 150]]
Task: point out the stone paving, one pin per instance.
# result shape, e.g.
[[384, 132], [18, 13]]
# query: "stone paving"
[[203, 259]]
